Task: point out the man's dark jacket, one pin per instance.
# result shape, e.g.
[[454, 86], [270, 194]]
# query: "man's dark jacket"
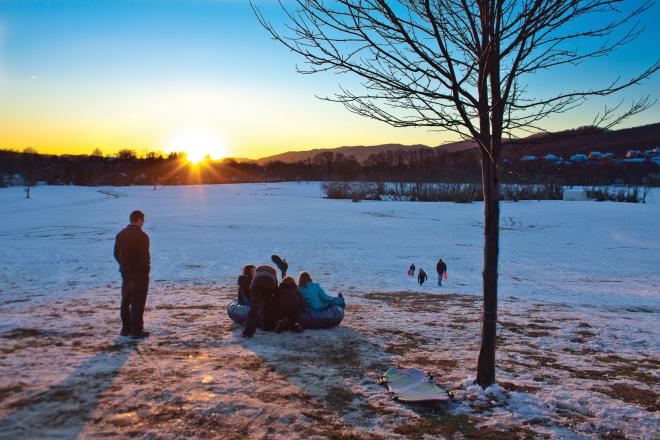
[[132, 252], [441, 267]]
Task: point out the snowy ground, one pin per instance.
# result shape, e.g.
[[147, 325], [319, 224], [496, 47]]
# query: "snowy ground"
[[579, 352]]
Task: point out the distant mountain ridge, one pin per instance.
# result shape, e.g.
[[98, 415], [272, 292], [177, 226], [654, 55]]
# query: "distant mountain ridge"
[[564, 143], [361, 152]]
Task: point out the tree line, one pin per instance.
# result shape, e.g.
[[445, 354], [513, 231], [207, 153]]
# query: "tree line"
[[419, 165]]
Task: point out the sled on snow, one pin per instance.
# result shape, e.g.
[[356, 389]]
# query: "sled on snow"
[[412, 385], [329, 317]]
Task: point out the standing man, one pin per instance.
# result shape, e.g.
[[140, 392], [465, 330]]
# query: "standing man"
[[441, 267], [132, 254]]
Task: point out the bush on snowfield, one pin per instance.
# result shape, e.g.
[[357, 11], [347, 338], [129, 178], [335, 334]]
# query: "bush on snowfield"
[[515, 192], [629, 194], [434, 192], [355, 191]]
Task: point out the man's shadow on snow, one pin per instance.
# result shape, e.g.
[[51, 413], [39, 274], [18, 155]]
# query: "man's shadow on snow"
[[63, 410], [328, 365]]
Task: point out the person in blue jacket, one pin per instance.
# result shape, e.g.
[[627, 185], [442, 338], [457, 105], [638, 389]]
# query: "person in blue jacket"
[[314, 296]]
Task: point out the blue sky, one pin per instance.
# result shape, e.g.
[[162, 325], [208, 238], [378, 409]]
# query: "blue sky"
[[76, 74]]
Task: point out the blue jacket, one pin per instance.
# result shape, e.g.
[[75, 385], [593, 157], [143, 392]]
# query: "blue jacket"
[[315, 297]]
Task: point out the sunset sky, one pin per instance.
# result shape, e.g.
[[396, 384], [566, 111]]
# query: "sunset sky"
[[153, 74]]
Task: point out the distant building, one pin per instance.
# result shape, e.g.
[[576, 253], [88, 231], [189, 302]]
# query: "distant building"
[[575, 194], [633, 153], [529, 157], [579, 157], [551, 157], [634, 160], [595, 155]]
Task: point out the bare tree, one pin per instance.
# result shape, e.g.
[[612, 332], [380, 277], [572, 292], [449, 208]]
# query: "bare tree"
[[460, 66]]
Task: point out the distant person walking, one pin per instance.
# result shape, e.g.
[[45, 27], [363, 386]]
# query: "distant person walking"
[[132, 254], [441, 268], [411, 270], [421, 276]]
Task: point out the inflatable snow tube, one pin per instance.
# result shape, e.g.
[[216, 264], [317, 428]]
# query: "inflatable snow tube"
[[329, 317], [237, 312]]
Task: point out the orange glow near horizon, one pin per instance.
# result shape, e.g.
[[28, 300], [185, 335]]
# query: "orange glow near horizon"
[[199, 146]]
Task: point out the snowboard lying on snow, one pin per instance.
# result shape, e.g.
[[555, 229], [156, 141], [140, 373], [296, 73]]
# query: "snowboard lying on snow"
[[413, 385]]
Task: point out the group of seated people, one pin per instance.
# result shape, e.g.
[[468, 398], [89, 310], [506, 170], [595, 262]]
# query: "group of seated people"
[[275, 307]]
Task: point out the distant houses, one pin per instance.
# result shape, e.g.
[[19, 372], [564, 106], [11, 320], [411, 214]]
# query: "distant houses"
[[631, 156], [579, 158]]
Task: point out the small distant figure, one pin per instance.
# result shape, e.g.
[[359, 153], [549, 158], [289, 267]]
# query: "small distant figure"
[[441, 267], [262, 290], [421, 276], [244, 281], [132, 253], [411, 270], [287, 303], [281, 264]]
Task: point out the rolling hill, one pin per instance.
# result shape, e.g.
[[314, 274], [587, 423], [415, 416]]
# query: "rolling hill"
[[564, 143]]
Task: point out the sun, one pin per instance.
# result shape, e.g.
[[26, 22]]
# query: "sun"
[[198, 146]]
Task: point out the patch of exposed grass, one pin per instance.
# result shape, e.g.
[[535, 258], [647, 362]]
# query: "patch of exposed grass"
[[14, 301], [611, 358], [445, 364], [8, 391], [536, 331], [538, 325], [315, 417], [582, 351], [21, 333], [401, 349], [350, 435], [369, 408], [449, 426], [55, 394], [544, 361], [510, 386], [251, 364], [537, 334], [615, 372], [187, 307], [421, 302], [339, 399], [631, 394]]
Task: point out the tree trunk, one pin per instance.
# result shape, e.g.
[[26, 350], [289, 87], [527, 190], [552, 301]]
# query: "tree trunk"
[[490, 179], [490, 170]]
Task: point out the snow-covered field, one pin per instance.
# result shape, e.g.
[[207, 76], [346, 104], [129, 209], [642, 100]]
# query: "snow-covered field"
[[579, 352]]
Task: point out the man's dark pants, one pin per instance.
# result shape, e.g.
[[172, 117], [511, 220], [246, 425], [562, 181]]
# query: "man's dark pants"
[[133, 299]]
